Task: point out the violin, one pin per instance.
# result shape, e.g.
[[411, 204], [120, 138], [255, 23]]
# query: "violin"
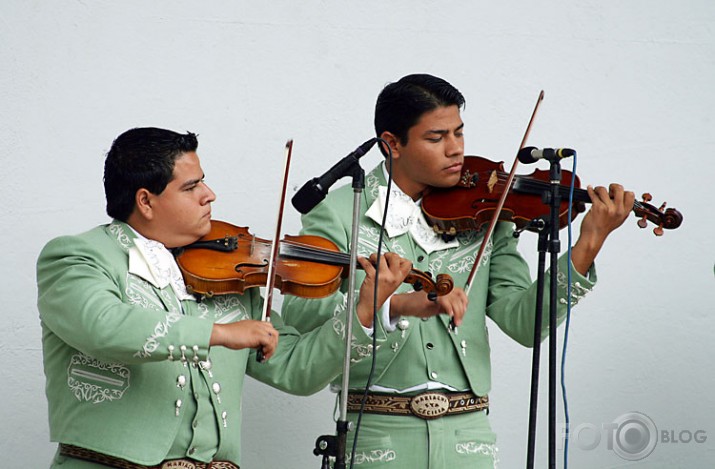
[[229, 259], [473, 201]]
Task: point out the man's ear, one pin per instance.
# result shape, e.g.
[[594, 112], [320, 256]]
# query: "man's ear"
[[393, 142], [142, 201]]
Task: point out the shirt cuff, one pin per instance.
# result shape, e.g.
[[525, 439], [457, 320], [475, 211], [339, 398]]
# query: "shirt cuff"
[[384, 315], [389, 324]]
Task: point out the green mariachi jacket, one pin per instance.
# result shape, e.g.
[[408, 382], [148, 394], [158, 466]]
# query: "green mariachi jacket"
[[422, 350], [119, 355]]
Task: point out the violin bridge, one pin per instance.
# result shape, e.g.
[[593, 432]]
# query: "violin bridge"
[[493, 179]]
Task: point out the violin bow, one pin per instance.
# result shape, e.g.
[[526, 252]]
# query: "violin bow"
[[500, 204], [271, 280]]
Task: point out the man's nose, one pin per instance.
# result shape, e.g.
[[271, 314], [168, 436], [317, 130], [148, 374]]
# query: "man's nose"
[[210, 195], [455, 146]]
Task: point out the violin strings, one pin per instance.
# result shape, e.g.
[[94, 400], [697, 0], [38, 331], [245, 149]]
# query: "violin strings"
[[581, 195], [526, 181], [312, 253], [536, 184], [307, 252]]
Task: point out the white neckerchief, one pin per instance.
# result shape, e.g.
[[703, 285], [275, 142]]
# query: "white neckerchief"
[[403, 215], [155, 264]]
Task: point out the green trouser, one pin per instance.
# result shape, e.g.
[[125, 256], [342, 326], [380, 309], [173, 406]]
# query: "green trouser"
[[403, 441]]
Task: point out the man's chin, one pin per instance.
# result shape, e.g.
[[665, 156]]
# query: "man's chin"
[[448, 182], [205, 228]]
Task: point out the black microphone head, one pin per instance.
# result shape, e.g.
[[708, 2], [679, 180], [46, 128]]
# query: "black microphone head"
[[308, 196], [525, 155], [365, 147]]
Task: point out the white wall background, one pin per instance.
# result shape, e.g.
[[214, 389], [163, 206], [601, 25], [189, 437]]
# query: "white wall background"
[[628, 83]]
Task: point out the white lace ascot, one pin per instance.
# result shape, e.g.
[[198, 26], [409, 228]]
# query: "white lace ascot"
[[403, 215], [155, 264]]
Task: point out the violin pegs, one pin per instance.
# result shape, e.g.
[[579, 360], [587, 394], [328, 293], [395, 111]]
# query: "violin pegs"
[[658, 230], [643, 222]]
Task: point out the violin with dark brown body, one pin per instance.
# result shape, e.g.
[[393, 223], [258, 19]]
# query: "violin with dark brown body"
[[473, 201]]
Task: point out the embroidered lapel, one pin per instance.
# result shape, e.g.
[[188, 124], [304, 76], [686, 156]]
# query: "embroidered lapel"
[[148, 292]]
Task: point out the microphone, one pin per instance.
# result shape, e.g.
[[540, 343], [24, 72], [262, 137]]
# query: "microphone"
[[315, 190], [528, 155]]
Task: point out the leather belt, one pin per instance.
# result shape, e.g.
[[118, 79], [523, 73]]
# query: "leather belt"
[[427, 405], [112, 461]]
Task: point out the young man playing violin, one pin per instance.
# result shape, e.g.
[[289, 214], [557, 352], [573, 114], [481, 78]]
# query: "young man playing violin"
[[428, 398], [141, 374]]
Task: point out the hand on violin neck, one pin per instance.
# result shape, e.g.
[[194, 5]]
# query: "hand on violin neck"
[[609, 209], [392, 272], [248, 333], [417, 304]]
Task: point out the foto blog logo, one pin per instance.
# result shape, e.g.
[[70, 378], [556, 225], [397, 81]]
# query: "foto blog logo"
[[632, 436]]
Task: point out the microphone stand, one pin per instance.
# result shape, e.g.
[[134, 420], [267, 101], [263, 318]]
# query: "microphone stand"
[[540, 224], [336, 445], [548, 241]]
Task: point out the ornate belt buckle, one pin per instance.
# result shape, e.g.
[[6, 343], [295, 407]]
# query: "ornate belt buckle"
[[429, 405], [179, 464]]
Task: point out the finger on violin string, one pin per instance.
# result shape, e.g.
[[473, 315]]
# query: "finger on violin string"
[[391, 257], [614, 189], [367, 266], [599, 194], [397, 263]]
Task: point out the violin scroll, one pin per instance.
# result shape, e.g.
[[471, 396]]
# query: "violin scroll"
[[664, 218], [434, 288]]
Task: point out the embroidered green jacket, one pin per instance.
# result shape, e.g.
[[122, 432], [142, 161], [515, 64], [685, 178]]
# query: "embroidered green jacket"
[[419, 351], [129, 369]]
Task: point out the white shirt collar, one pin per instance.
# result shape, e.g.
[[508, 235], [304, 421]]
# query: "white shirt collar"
[[153, 262], [403, 215]]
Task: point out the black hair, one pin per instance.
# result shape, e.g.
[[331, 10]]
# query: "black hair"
[[401, 104], [141, 158]]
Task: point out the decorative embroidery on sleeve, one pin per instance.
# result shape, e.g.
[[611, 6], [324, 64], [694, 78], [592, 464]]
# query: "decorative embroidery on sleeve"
[[577, 290], [161, 329], [339, 327], [140, 293]]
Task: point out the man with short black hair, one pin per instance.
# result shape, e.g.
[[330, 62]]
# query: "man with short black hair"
[[428, 398], [140, 373]]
